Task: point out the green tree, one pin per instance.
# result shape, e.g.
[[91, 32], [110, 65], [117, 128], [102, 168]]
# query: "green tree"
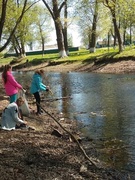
[[127, 19], [24, 32], [11, 13], [113, 6], [42, 26], [94, 22]]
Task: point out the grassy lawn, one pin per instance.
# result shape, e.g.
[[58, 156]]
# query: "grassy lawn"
[[82, 55]]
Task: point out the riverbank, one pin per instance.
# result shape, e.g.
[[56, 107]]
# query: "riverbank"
[[41, 154], [119, 67]]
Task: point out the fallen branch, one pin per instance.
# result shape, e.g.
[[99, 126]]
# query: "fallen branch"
[[57, 99], [72, 136]]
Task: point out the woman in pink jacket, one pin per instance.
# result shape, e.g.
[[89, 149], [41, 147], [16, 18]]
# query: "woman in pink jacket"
[[10, 84]]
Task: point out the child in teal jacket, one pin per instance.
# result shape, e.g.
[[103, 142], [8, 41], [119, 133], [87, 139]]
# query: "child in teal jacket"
[[36, 87]]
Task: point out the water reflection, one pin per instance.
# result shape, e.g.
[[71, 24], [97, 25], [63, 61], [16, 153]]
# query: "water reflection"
[[104, 103]]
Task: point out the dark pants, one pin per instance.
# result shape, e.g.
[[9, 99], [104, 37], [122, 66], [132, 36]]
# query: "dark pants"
[[37, 97]]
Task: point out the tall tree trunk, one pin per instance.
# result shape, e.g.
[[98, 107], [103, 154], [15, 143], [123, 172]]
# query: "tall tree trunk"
[[60, 41], [3, 16], [16, 45], [43, 45], [114, 38], [112, 7], [23, 53], [130, 34], [13, 40], [124, 37], [16, 51], [117, 32], [55, 13], [65, 29], [94, 26], [42, 40], [58, 26]]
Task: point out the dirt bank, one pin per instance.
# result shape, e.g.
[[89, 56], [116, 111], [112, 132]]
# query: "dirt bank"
[[125, 66]]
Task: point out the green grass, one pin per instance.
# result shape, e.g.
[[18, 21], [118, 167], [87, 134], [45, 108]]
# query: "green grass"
[[82, 55]]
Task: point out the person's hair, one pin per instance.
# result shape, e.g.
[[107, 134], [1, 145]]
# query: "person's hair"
[[20, 100], [4, 74], [40, 72]]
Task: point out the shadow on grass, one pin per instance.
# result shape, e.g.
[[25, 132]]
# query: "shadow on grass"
[[34, 62], [102, 58], [54, 63], [100, 61]]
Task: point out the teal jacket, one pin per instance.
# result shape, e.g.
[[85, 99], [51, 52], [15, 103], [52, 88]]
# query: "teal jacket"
[[37, 85]]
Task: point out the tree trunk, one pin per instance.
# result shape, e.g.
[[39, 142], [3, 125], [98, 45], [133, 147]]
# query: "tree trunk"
[[22, 53], [117, 32], [114, 38], [58, 25], [16, 45], [59, 33], [43, 45], [114, 42], [124, 37], [65, 29], [112, 7], [3, 16], [13, 40], [130, 34], [94, 26], [60, 41]]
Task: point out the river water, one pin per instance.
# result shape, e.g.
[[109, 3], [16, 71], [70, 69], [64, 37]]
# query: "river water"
[[105, 106]]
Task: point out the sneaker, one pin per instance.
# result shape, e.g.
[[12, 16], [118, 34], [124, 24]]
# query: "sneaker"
[[38, 113], [31, 128]]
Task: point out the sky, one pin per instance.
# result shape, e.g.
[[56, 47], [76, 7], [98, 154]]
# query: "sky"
[[75, 35]]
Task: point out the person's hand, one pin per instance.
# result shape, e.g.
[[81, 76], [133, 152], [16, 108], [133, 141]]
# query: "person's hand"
[[25, 122], [24, 90], [47, 88]]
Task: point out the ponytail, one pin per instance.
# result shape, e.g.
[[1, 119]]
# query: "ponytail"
[[4, 74]]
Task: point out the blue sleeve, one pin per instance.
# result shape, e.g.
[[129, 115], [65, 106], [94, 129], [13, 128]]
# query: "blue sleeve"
[[40, 85]]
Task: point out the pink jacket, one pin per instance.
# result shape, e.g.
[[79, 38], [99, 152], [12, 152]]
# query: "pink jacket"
[[11, 86]]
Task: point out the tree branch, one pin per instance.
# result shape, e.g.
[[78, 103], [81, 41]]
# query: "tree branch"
[[61, 6], [72, 136], [49, 9]]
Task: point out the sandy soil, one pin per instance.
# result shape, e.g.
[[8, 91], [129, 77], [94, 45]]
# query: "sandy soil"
[[41, 154]]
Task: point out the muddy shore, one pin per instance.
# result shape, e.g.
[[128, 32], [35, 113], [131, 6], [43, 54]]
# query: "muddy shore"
[[41, 154]]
